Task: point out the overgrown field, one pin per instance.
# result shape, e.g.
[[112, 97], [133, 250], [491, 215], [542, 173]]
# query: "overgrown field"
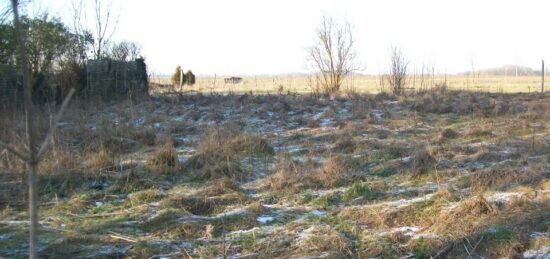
[[438, 173], [362, 84]]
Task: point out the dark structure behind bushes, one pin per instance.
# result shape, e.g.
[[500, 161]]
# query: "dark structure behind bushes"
[[10, 89], [104, 79], [112, 79]]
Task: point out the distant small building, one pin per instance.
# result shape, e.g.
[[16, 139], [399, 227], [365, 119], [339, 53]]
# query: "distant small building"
[[112, 79], [233, 80]]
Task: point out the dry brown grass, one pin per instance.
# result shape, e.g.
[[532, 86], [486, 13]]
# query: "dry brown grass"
[[192, 204], [424, 213], [219, 187], [286, 176], [345, 144], [467, 218], [165, 160], [500, 178], [423, 162], [325, 239], [290, 176], [447, 133], [100, 159], [477, 132], [219, 152]]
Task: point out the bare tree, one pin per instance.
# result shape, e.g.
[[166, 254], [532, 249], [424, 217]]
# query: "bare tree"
[[332, 57], [84, 37], [397, 77], [125, 51], [105, 27], [34, 152]]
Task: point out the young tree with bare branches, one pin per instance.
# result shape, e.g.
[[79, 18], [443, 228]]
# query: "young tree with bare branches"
[[104, 26], [397, 76], [333, 55], [34, 153]]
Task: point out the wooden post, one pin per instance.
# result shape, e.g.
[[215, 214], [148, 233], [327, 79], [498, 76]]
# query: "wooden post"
[[181, 78], [542, 79]]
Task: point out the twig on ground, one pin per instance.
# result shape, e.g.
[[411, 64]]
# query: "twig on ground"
[[122, 237]]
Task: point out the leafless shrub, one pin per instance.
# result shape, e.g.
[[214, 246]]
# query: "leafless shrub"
[[332, 57], [397, 77], [125, 51]]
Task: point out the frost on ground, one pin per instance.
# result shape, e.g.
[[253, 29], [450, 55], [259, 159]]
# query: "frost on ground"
[[441, 174]]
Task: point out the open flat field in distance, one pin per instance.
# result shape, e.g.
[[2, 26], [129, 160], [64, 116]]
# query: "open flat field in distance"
[[444, 174], [361, 84]]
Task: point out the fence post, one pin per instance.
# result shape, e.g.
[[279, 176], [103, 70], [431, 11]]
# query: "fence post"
[[181, 78], [542, 78]]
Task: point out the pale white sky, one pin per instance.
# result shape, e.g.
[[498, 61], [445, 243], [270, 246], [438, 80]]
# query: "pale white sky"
[[271, 37]]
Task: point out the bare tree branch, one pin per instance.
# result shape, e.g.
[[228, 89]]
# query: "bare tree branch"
[[104, 28], [53, 127], [13, 151]]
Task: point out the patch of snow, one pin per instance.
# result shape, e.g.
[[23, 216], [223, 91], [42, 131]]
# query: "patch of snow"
[[412, 232], [318, 213], [270, 206], [264, 219], [509, 150], [306, 234], [237, 211], [378, 115], [325, 123], [255, 195], [98, 204], [246, 231], [241, 256], [396, 204], [139, 122], [407, 230], [327, 191], [474, 165], [183, 159], [425, 235], [179, 118], [543, 253], [537, 235], [404, 203], [319, 114], [407, 159], [503, 197]]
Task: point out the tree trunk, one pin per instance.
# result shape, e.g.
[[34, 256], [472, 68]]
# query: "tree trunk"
[[32, 162]]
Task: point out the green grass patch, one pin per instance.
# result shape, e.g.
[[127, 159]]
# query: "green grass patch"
[[360, 190]]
